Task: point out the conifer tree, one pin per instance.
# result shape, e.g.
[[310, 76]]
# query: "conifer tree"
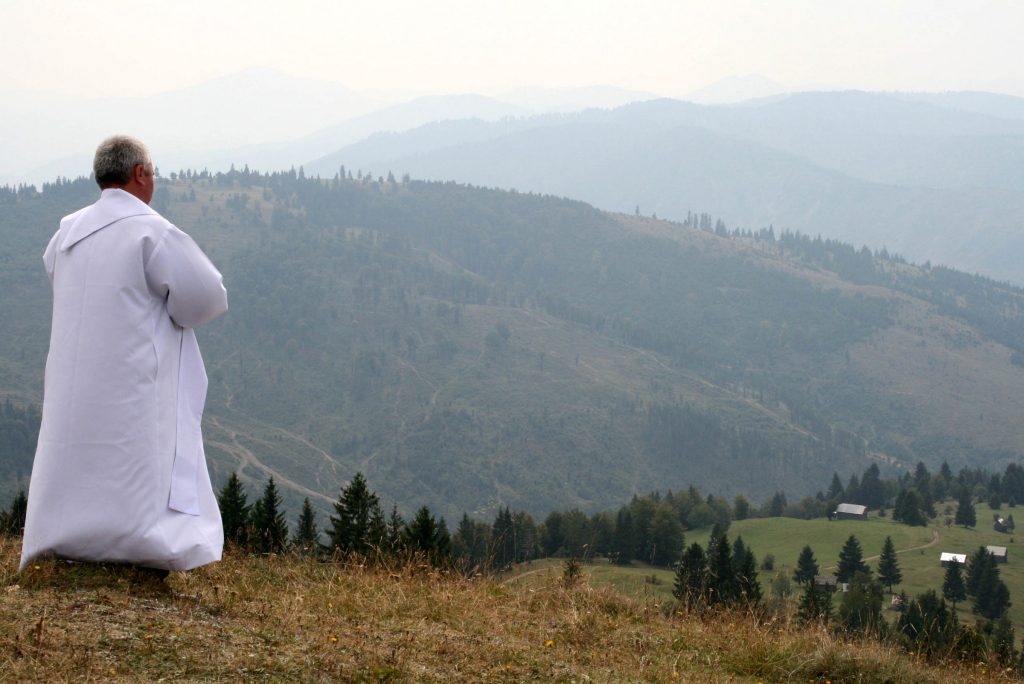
[[953, 588], [358, 524], [835, 489], [395, 526], [739, 555], [268, 531], [851, 560], [622, 538], [977, 566], [690, 576], [927, 625], [234, 511], [888, 566], [861, 607], [503, 538], [12, 521], [721, 586], [524, 534], [749, 587], [815, 606], [425, 535], [470, 544], [307, 536], [806, 567], [990, 594], [1003, 640], [442, 543], [965, 514]]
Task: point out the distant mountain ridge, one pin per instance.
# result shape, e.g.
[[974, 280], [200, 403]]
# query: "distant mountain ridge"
[[933, 182]]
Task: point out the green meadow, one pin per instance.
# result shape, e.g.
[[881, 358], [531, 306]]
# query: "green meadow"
[[918, 552]]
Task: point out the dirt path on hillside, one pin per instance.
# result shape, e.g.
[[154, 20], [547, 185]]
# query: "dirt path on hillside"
[[936, 537], [246, 457]]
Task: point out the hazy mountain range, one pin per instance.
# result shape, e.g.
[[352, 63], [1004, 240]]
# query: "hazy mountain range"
[[909, 173], [934, 176]]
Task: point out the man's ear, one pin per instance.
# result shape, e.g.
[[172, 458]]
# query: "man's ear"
[[139, 173]]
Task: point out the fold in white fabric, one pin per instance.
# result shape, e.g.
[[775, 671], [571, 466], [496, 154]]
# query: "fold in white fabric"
[[188, 449]]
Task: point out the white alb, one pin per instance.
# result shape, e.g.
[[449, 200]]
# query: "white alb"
[[119, 472]]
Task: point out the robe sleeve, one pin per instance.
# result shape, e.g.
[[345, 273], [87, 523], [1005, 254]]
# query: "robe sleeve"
[[193, 288], [50, 257]]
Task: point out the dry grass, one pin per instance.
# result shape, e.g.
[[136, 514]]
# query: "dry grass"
[[293, 619]]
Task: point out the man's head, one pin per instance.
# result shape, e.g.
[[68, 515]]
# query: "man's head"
[[123, 162]]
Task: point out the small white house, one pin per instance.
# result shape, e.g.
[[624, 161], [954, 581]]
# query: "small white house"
[[945, 558]]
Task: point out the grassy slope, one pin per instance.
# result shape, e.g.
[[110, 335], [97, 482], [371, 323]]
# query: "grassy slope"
[[785, 537], [287, 619]]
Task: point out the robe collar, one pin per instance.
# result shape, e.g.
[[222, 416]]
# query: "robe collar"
[[113, 205]]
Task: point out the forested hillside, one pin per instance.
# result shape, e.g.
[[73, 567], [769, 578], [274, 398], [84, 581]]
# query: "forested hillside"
[[470, 349]]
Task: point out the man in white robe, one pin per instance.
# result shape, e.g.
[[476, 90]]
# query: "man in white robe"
[[119, 472]]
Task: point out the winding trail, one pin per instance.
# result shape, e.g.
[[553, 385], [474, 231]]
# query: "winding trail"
[[936, 537], [246, 457]]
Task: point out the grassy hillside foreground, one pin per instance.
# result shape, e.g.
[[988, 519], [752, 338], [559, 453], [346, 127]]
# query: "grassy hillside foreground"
[[292, 619]]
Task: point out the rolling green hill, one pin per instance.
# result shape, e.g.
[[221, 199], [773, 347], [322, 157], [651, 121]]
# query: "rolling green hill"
[[470, 348], [917, 548]]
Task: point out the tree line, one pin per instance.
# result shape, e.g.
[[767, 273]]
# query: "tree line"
[[927, 624]]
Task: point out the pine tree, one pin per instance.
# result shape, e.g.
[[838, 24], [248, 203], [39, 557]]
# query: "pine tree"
[[953, 588], [470, 544], [746, 577], [739, 555], [806, 567], [815, 606], [990, 594], [503, 538], [268, 531], [307, 536], [427, 536], [861, 607], [1003, 640], [359, 524], [851, 560], [622, 538], [12, 521], [835, 489], [909, 508], [395, 526], [965, 514], [928, 626], [721, 585], [234, 511], [976, 569], [888, 566], [690, 576]]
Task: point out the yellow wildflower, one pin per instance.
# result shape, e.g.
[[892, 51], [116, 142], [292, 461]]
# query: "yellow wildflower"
[[549, 643]]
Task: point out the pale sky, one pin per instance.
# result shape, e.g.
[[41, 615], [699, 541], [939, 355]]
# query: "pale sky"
[[669, 47]]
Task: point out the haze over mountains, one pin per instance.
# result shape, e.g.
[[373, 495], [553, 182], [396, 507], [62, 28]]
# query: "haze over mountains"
[[470, 347], [934, 176], [926, 180]]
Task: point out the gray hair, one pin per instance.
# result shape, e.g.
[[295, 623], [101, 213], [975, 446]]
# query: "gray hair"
[[116, 157]]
